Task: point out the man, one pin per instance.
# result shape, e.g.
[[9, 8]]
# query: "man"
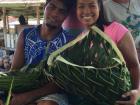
[[31, 46], [126, 12]]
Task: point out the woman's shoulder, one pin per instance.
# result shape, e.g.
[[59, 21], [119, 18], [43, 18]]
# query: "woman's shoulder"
[[116, 31], [116, 26]]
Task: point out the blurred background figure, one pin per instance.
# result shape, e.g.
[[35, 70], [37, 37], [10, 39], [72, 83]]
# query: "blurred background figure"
[[6, 62], [126, 12], [1, 64], [22, 20]]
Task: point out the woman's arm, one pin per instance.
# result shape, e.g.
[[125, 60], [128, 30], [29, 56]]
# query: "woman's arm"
[[127, 47]]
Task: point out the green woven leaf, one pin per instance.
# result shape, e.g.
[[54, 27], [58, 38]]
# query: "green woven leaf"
[[9, 93], [27, 78], [91, 67]]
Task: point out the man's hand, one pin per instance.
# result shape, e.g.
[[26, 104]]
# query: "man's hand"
[[28, 97], [1, 102], [134, 96], [20, 99]]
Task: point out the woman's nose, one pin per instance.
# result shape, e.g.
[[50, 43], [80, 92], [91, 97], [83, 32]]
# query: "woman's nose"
[[87, 10]]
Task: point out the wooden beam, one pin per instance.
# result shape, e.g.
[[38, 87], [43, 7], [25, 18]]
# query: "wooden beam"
[[4, 26], [7, 23], [38, 14], [13, 5]]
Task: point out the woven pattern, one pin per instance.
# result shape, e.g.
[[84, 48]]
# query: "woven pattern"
[[27, 78], [93, 69]]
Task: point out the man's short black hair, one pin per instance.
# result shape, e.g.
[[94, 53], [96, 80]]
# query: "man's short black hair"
[[68, 4]]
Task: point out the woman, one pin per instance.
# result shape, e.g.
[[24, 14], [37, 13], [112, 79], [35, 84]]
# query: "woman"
[[90, 12]]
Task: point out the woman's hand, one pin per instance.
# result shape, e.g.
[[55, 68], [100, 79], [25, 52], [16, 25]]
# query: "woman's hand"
[[134, 96]]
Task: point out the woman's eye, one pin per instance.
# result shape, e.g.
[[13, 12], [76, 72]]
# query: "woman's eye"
[[88, 5], [92, 5]]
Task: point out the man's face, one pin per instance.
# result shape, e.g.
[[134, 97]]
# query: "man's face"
[[54, 14]]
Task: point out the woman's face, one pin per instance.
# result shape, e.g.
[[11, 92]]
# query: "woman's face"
[[87, 12]]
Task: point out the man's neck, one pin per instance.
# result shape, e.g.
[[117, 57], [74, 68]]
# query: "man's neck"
[[48, 33]]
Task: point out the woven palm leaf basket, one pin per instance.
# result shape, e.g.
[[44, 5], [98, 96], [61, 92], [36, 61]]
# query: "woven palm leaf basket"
[[25, 79], [91, 66]]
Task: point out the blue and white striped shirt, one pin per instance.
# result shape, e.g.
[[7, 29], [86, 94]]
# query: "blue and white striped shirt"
[[35, 47]]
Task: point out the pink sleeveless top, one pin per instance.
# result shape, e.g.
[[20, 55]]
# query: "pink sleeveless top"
[[115, 31]]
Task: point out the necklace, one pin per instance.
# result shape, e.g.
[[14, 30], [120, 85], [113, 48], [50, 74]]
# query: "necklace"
[[127, 8]]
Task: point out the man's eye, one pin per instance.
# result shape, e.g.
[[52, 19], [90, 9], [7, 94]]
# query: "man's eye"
[[62, 11], [51, 7], [81, 6]]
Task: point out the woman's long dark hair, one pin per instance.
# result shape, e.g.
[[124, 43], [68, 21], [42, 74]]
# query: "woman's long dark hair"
[[101, 20]]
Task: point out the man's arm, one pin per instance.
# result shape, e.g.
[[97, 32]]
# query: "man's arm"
[[27, 97], [18, 59], [31, 96]]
